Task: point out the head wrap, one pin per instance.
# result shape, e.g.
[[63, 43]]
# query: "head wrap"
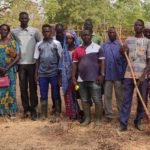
[[65, 64]]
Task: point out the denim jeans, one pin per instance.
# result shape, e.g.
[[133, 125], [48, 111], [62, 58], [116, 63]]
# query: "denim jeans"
[[26, 78], [127, 102], [44, 86], [88, 90]]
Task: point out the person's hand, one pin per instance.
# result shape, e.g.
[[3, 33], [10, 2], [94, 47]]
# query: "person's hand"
[[3, 70], [100, 79], [124, 48], [141, 80], [36, 77], [74, 81]]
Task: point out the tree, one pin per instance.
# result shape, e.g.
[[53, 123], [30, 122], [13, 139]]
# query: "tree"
[[14, 7]]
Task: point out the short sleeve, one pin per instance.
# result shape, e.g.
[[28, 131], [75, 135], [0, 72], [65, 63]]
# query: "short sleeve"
[[101, 54], [75, 57], [17, 47], [36, 52], [148, 49], [60, 50], [38, 36]]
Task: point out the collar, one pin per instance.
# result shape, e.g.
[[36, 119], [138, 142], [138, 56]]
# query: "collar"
[[82, 46], [25, 29], [48, 41], [114, 42]]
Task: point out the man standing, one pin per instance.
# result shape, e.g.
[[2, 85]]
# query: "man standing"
[[138, 49], [114, 72], [88, 25], [90, 64], [147, 35], [59, 29], [47, 54], [27, 37], [147, 30]]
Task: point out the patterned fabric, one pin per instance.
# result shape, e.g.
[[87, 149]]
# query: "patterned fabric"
[[71, 103], [8, 104], [65, 65], [139, 51]]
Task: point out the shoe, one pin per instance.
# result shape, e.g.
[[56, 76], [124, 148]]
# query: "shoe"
[[25, 115], [43, 110], [138, 127], [98, 112], [58, 106], [87, 113], [34, 116], [109, 120], [122, 129]]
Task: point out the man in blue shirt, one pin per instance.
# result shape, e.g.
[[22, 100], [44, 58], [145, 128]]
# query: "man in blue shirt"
[[114, 72]]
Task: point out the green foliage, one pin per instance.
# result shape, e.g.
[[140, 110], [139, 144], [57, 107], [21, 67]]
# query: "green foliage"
[[14, 7], [104, 13]]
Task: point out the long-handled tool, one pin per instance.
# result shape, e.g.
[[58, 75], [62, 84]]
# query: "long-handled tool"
[[135, 84]]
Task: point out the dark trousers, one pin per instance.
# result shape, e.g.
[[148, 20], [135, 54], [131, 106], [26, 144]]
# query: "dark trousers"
[[127, 102], [28, 95], [44, 86]]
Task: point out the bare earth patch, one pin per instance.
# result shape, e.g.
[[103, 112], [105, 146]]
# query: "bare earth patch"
[[21, 134]]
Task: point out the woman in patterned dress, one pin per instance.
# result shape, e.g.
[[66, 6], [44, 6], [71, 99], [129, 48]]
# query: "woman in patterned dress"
[[9, 55]]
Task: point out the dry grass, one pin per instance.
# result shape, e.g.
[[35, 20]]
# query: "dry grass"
[[67, 135]]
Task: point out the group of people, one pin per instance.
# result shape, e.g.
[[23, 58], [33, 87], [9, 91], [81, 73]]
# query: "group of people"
[[66, 60]]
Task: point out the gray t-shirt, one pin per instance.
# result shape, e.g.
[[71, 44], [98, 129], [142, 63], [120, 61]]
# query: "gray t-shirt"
[[27, 39], [48, 53]]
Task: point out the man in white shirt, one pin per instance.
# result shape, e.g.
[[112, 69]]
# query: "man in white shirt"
[[27, 37]]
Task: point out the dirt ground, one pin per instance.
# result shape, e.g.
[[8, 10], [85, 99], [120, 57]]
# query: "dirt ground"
[[21, 134]]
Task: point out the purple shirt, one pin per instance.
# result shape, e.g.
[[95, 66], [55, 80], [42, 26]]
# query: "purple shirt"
[[114, 61]]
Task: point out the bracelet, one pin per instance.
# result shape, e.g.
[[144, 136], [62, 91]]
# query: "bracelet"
[[103, 74]]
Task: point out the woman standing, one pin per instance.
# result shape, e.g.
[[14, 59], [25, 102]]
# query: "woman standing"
[[9, 55], [71, 41]]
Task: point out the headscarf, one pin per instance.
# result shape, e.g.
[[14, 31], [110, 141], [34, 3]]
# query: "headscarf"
[[65, 64]]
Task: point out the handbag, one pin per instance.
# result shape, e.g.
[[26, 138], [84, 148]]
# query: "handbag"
[[4, 81]]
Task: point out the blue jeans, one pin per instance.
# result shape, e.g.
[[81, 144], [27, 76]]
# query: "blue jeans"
[[127, 102], [88, 90], [44, 87]]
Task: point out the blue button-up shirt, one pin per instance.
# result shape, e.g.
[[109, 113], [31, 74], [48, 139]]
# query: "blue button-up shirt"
[[115, 62]]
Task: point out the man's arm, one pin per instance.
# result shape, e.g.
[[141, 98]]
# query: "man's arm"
[[147, 68], [74, 71], [36, 70], [36, 56], [101, 66]]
